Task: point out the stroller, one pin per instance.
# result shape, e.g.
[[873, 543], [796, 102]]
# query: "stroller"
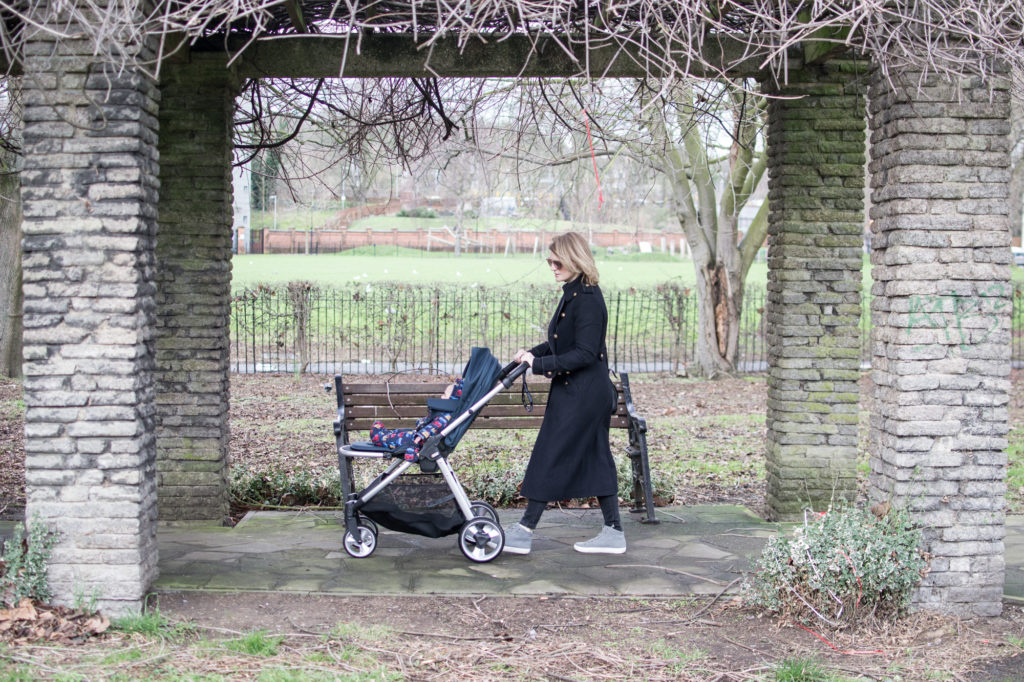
[[422, 504]]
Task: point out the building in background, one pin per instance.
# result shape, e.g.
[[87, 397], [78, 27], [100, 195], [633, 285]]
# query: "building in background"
[[241, 221]]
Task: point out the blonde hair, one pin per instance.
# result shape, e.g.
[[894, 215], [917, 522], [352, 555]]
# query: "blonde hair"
[[572, 249]]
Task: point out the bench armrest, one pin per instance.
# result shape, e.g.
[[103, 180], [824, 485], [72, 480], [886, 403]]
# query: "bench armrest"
[[643, 491]]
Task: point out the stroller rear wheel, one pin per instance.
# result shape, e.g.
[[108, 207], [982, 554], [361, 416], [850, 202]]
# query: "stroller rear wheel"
[[484, 509], [368, 522], [362, 546], [481, 539]]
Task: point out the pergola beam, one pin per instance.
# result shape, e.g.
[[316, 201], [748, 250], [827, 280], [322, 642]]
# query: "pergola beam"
[[400, 55]]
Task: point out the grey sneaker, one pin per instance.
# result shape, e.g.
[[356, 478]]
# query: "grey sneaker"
[[518, 539], [608, 541]]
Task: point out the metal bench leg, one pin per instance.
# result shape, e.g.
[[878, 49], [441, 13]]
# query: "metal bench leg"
[[643, 494]]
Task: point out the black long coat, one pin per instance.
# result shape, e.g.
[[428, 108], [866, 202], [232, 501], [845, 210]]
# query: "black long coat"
[[572, 457]]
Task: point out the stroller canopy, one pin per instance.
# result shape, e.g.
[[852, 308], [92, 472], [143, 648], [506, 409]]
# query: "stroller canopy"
[[478, 378]]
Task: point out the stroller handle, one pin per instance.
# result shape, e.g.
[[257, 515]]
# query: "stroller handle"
[[512, 371]]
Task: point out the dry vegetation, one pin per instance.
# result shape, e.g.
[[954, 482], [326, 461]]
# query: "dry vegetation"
[[292, 637]]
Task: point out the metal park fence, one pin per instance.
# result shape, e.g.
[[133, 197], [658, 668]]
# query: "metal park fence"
[[384, 328]]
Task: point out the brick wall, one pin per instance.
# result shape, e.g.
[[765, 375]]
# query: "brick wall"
[[89, 193], [941, 318], [193, 288], [330, 241], [816, 154]]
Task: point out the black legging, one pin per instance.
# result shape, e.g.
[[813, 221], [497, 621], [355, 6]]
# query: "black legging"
[[609, 509]]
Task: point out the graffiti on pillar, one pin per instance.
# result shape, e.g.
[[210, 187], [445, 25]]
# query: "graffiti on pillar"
[[956, 313]]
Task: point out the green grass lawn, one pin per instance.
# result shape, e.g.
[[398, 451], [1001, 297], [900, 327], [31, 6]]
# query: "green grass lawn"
[[388, 263], [418, 267]]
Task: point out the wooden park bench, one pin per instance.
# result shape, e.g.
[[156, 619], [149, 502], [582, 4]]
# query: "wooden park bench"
[[399, 405]]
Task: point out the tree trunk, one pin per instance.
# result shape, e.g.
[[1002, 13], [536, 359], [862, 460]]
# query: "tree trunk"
[[10, 267], [719, 302], [1017, 201], [1017, 172]]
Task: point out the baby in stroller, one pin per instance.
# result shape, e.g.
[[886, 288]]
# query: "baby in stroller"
[[412, 440]]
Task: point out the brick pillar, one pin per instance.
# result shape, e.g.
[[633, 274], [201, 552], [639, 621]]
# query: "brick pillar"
[[89, 192], [194, 288], [816, 155], [941, 318]]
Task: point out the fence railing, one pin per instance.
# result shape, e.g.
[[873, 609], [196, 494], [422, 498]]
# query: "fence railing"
[[374, 328]]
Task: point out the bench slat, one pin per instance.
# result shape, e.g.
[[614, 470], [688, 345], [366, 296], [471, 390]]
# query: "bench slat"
[[481, 422], [403, 398], [417, 411], [372, 389], [358, 400]]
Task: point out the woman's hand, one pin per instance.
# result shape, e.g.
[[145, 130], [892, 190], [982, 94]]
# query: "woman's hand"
[[523, 355]]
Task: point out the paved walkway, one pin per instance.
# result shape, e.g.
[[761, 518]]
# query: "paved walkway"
[[694, 550]]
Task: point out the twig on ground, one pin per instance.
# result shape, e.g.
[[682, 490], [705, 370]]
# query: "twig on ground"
[[490, 638], [670, 570]]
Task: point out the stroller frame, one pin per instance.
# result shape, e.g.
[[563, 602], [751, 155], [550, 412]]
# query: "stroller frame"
[[480, 538]]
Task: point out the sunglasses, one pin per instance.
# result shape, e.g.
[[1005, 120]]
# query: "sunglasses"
[[552, 263]]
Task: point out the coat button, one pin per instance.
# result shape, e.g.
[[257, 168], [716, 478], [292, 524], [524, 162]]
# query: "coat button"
[[563, 314], [565, 383], [575, 293], [556, 336]]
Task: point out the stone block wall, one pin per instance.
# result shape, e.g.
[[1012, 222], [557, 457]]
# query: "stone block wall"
[[816, 155], [89, 193], [941, 318], [194, 288]]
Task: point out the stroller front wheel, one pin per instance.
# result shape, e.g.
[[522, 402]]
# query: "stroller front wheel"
[[481, 539], [362, 546]]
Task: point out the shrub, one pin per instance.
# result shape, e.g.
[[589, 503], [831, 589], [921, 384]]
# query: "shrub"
[[417, 212], [493, 478], [661, 483], [842, 565], [23, 565], [286, 488], [496, 481]]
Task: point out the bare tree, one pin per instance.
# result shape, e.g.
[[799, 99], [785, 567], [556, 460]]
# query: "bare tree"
[[10, 238], [1017, 163], [705, 138], [709, 194]]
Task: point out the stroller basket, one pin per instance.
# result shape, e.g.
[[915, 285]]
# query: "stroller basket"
[[421, 504]]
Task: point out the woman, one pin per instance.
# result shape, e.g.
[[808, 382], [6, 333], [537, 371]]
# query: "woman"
[[572, 457]]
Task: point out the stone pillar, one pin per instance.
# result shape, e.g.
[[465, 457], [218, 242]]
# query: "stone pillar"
[[816, 155], [89, 192], [941, 318], [194, 288]]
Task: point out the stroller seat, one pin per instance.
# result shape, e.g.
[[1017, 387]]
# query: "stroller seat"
[[368, 449], [367, 446]]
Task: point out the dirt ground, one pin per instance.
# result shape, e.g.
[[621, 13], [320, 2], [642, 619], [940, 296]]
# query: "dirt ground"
[[594, 638], [426, 638]]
